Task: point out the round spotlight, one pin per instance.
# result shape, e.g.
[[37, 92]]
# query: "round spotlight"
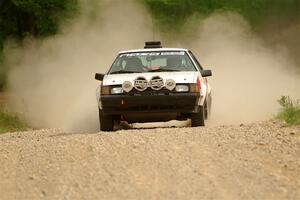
[[170, 84], [156, 83], [127, 86], [141, 84]]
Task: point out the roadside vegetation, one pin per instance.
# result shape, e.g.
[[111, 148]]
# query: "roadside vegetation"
[[10, 122], [290, 112], [38, 19], [171, 14]]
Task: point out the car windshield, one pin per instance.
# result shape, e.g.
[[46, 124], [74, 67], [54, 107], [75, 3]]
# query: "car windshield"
[[141, 62]]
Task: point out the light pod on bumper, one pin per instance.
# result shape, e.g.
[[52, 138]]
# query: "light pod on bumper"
[[127, 86], [156, 83], [170, 84]]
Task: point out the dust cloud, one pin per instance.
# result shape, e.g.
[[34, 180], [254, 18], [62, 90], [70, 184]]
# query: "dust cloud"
[[248, 75], [51, 82]]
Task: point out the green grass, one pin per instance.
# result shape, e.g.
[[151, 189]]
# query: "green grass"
[[290, 111], [10, 122]]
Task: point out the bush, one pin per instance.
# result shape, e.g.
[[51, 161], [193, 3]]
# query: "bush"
[[171, 14], [2, 75], [290, 111], [31, 18], [10, 122], [2, 81]]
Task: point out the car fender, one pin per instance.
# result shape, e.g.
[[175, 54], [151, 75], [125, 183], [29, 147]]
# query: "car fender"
[[98, 97], [204, 88]]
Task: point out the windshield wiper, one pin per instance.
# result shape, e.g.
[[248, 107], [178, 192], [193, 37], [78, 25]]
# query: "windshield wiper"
[[124, 72], [163, 70]]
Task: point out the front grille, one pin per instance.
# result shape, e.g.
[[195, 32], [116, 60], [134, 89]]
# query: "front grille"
[[152, 107], [150, 101], [149, 92]]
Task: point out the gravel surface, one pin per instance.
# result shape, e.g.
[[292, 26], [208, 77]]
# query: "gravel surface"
[[254, 161]]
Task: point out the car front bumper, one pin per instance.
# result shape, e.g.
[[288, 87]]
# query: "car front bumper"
[[170, 103]]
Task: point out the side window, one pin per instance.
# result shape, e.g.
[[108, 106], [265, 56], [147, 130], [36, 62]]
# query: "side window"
[[196, 61], [123, 64], [120, 64], [187, 62]]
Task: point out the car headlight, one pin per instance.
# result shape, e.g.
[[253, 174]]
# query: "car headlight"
[[182, 88], [116, 90]]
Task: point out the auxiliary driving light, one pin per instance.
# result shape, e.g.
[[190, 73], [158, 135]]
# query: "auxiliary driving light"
[[170, 84], [127, 86]]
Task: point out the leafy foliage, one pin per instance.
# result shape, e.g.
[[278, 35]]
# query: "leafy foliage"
[[10, 122], [2, 77], [19, 18], [172, 13], [290, 110], [34, 18]]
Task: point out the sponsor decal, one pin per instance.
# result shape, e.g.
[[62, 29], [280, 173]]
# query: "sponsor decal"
[[166, 53]]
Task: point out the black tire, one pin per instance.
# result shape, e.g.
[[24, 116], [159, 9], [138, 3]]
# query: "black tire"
[[106, 122], [198, 118], [209, 104], [205, 111]]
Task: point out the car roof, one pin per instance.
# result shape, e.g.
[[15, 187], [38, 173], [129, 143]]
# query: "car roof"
[[152, 50]]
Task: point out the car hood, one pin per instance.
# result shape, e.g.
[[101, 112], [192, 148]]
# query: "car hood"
[[178, 77]]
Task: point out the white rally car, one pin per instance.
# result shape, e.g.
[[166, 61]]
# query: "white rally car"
[[154, 84]]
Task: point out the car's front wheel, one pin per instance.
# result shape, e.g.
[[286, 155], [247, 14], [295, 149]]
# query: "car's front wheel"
[[198, 118], [106, 122]]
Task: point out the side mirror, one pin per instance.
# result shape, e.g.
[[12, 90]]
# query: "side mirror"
[[206, 73], [99, 77]]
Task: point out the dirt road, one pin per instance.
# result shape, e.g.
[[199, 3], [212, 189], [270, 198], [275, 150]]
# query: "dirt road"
[[255, 161]]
